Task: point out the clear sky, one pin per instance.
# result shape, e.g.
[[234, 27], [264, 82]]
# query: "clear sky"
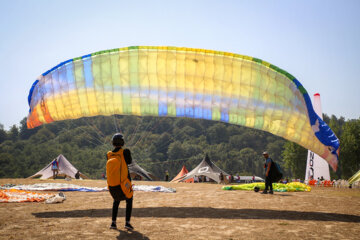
[[318, 42]]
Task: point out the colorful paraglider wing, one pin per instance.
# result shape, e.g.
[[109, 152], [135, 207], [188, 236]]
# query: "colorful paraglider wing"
[[14, 195], [182, 82], [278, 187], [354, 178]]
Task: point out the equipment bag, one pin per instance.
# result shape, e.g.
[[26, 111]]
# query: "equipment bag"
[[118, 176], [275, 171]]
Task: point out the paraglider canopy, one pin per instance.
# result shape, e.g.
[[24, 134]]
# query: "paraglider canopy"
[[182, 82]]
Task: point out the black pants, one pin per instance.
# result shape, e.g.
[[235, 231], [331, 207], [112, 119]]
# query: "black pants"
[[268, 183], [115, 208], [118, 196]]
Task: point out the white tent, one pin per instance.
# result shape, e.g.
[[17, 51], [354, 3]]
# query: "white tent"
[[206, 168], [66, 169], [135, 170]]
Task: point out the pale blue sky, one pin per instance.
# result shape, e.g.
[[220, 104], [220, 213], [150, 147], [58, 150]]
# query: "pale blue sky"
[[316, 41]]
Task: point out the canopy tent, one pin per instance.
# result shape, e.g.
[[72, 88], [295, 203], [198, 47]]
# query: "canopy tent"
[[182, 172], [66, 169], [137, 172], [354, 178], [206, 168]]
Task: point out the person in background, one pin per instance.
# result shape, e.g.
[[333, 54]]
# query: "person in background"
[[221, 178], [231, 178], [166, 175], [119, 180], [196, 179], [55, 168], [77, 175], [268, 180]]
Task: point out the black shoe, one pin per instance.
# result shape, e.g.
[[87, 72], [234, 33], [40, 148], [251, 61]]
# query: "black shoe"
[[128, 226], [113, 225], [271, 192], [264, 192]]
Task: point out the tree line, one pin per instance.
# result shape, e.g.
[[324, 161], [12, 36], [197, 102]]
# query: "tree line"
[[160, 144]]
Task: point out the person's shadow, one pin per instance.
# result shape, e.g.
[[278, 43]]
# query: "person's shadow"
[[131, 235]]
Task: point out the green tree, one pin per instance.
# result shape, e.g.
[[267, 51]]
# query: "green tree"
[[26, 133], [237, 141], [275, 148], [3, 135], [176, 151], [217, 134], [163, 142], [294, 157], [350, 148], [43, 135], [249, 158], [336, 125], [14, 133], [235, 130], [7, 163]]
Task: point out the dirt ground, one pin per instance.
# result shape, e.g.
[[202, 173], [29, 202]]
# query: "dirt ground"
[[195, 211]]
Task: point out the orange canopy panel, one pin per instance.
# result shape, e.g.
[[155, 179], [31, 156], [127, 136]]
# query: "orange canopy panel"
[[178, 177], [14, 195]]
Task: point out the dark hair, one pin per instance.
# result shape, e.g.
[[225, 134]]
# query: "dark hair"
[[118, 140]]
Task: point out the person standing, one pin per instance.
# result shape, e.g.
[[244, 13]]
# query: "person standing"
[[196, 179], [166, 175], [119, 180], [268, 181], [55, 168], [221, 178], [77, 175]]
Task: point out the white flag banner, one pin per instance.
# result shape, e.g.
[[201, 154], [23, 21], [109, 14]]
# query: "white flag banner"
[[316, 167]]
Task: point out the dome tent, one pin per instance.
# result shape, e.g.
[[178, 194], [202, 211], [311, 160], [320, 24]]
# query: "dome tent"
[[182, 172]]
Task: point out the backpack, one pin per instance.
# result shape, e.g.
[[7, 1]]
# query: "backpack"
[[275, 171], [119, 177]]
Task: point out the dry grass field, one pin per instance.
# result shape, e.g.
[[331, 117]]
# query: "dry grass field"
[[195, 211]]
